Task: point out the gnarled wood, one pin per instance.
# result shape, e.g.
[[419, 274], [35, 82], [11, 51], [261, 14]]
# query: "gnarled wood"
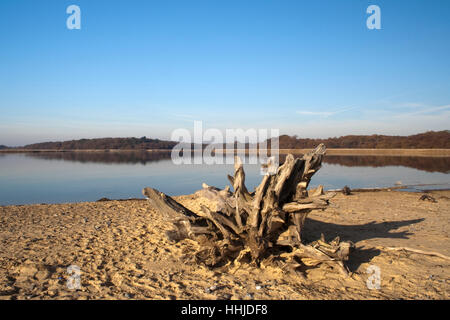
[[248, 224]]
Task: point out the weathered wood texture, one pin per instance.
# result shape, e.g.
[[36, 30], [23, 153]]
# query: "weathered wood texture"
[[257, 225]]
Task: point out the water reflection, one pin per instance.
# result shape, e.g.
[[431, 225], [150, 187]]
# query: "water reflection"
[[428, 164], [55, 177], [131, 157]]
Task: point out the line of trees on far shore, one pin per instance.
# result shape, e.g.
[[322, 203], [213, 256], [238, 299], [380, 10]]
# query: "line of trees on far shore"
[[427, 140], [104, 144]]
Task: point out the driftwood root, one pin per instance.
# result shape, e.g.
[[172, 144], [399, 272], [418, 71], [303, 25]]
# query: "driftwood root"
[[253, 226]]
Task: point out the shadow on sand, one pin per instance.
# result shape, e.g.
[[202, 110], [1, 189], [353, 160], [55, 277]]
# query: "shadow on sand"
[[356, 233]]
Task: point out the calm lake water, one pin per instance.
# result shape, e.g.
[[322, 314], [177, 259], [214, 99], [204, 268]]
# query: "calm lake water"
[[80, 176]]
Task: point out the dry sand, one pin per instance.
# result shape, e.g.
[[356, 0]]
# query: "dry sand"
[[122, 251]]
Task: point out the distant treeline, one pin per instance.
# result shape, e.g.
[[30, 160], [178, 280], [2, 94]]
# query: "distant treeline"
[[105, 143], [427, 140], [3, 147]]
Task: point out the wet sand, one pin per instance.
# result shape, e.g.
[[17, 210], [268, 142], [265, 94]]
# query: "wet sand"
[[123, 253]]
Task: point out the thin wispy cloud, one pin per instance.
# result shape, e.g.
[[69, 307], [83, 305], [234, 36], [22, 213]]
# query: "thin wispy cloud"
[[430, 110], [325, 114], [425, 110], [413, 105]]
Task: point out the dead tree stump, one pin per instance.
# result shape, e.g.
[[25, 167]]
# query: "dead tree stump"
[[262, 225]]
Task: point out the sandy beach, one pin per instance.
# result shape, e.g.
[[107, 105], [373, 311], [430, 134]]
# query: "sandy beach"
[[123, 253]]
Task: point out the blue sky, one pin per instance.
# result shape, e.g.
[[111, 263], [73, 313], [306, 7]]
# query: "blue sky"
[[136, 68]]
